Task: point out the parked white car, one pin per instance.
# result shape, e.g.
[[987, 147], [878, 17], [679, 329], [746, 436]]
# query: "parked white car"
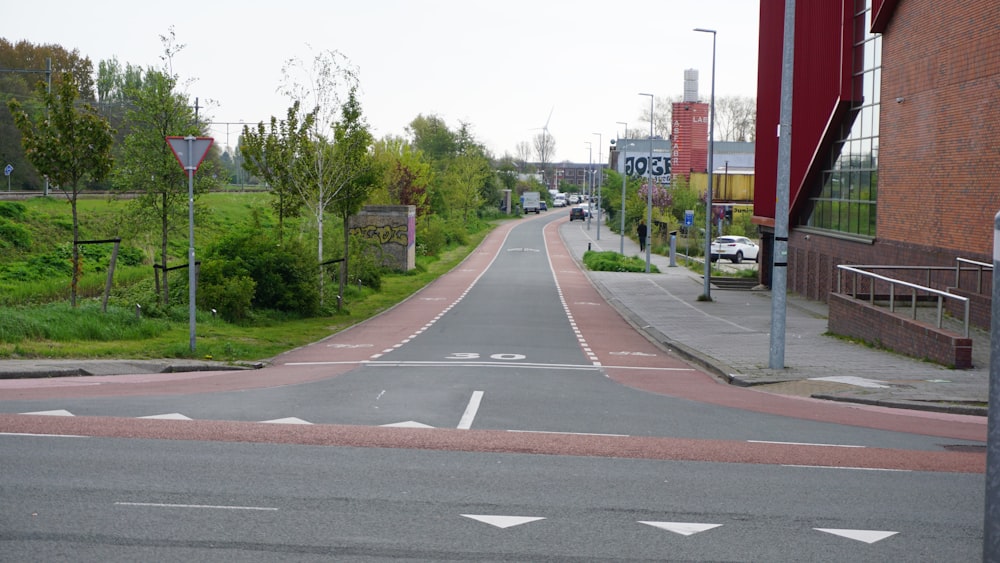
[[735, 249]]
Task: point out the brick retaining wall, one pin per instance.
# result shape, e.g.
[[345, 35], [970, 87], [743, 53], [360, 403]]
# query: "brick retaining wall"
[[876, 325]]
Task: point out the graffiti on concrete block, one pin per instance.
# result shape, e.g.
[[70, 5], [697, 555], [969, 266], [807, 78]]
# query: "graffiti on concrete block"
[[384, 234]]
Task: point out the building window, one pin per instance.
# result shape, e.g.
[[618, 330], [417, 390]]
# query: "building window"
[[847, 200]]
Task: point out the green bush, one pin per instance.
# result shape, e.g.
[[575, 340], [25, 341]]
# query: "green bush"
[[609, 261], [365, 266], [284, 275]]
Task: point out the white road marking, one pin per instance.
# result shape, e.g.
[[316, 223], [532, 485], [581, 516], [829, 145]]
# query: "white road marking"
[[503, 521], [853, 380], [867, 536], [407, 424], [387, 363], [169, 416], [804, 444], [42, 435], [324, 363], [216, 507], [470, 411], [51, 413], [569, 433], [851, 468], [682, 528], [289, 420]]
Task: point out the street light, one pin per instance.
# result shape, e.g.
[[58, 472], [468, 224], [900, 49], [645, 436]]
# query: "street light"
[[649, 185], [590, 172], [600, 154], [621, 248], [708, 192]]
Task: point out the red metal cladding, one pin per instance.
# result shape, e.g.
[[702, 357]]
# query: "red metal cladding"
[[821, 94]]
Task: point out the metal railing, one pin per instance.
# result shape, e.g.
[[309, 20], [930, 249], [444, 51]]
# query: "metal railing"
[[892, 284], [979, 268]]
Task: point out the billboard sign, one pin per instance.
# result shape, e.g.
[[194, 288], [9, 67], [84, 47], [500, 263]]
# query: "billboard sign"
[[636, 164]]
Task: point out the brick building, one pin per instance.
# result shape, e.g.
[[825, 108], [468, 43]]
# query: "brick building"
[[896, 145]]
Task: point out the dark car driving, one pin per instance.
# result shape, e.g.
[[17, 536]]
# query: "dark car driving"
[[577, 213]]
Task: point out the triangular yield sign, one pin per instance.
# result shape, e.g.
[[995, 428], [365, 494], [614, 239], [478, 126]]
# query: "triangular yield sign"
[[503, 521], [289, 420], [867, 536], [682, 528], [190, 151], [171, 416], [59, 412], [407, 424]]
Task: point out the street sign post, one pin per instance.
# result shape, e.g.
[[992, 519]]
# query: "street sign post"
[[7, 170], [190, 152]]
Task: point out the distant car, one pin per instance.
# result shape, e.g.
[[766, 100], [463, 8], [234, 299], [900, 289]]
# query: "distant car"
[[542, 206], [559, 202], [574, 199], [735, 249], [577, 213]]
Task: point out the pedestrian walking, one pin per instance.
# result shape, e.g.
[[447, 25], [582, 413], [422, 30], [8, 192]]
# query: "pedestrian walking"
[[641, 231]]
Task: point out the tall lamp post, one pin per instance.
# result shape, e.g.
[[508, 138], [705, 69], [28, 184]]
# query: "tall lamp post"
[[621, 248], [707, 296], [600, 155], [590, 172], [649, 184]]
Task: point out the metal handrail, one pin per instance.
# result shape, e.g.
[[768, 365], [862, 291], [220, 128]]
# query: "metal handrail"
[[979, 267], [941, 295]]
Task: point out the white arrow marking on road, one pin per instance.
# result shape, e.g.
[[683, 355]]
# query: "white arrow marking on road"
[[867, 536], [289, 420], [682, 528], [171, 416], [631, 354], [407, 424], [349, 346], [52, 413], [503, 521]]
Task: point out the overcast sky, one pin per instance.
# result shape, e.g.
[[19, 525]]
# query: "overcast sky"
[[501, 67]]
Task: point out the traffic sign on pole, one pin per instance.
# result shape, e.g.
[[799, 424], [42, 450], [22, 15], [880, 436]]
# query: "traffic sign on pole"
[[190, 151]]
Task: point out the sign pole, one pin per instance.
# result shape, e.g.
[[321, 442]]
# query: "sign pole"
[[191, 274], [991, 518], [190, 151]]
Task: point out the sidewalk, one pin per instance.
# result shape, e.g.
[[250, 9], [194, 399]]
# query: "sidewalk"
[[730, 337]]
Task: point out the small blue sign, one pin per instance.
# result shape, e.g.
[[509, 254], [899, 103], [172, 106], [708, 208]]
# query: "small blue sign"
[[688, 217], [7, 170]]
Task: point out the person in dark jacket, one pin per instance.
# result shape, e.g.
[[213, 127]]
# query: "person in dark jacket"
[[641, 231]]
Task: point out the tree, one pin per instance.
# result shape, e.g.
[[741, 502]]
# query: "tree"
[[522, 155], [545, 149], [149, 167], [71, 145], [736, 118], [25, 66], [327, 166], [662, 118], [406, 175], [467, 174], [356, 173], [270, 154]]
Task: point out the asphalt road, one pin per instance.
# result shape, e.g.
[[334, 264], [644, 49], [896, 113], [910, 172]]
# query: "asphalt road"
[[504, 413]]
